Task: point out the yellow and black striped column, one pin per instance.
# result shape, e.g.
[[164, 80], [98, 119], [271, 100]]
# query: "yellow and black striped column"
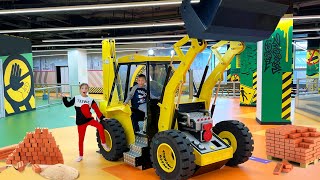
[[254, 87], [229, 73], [286, 95]]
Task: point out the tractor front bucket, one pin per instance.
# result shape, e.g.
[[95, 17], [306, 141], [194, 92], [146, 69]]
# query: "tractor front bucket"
[[233, 20]]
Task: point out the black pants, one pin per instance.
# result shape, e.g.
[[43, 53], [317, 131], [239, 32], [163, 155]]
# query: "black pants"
[[136, 116]]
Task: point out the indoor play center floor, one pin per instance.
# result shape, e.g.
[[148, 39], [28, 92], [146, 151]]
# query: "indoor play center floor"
[[61, 122]]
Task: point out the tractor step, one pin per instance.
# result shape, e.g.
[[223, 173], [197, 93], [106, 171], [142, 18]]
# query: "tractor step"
[[138, 148], [138, 156], [131, 158], [141, 139]]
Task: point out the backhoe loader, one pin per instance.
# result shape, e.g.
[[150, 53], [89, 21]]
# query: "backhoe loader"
[[178, 137]]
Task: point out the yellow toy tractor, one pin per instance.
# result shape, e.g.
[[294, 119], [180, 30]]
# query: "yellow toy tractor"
[[178, 137]]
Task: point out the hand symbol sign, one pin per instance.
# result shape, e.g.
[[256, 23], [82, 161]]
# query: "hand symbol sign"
[[15, 77]]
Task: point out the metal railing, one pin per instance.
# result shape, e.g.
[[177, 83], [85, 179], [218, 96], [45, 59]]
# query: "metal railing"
[[47, 96], [228, 89], [307, 92]]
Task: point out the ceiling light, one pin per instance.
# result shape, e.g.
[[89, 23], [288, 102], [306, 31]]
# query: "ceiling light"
[[306, 30], [303, 17], [103, 27], [94, 7], [305, 38], [116, 38], [49, 55], [99, 44]]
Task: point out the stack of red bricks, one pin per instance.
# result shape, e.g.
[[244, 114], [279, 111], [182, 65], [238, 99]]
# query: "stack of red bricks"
[[293, 143], [38, 147]]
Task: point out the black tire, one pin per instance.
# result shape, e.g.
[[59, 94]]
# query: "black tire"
[[243, 137], [183, 151], [118, 137]]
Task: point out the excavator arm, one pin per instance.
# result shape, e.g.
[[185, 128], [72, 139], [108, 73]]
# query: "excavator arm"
[[235, 47], [168, 104]]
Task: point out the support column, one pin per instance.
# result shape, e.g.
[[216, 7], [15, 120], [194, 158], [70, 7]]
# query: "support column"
[[274, 57], [248, 75], [313, 65], [78, 69]]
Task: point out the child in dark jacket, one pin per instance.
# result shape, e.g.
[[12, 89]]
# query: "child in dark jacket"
[[82, 104]]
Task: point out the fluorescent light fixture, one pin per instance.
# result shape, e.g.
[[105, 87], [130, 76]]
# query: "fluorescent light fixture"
[[49, 55], [172, 52], [114, 6], [103, 27], [306, 30], [303, 17], [298, 46], [117, 38], [305, 38], [99, 44]]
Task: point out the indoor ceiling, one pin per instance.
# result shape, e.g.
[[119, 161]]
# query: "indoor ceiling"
[[151, 15]]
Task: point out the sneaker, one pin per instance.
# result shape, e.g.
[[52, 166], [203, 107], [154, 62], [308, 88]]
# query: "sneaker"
[[79, 159]]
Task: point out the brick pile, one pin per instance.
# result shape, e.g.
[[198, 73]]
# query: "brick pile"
[[37, 147], [282, 167], [294, 143]]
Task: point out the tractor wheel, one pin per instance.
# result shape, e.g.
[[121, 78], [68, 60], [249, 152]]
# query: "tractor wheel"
[[172, 155], [238, 136], [115, 139]]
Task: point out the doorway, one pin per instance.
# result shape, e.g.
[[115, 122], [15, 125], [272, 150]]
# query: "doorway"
[[63, 78]]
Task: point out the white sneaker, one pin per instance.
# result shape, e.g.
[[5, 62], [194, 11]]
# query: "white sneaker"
[[79, 159]]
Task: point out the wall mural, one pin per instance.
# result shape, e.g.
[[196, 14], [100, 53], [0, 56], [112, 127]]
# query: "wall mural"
[[248, 75], [17, 76]]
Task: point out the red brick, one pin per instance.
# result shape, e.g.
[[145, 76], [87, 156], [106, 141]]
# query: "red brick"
[[315, 134], [41, 158], [306, 134], [39, 140], [287, 147], [287, 165], [36, 136], [307, 145], [36, 168], [312, 129], [295, 141], [31, 149], [277, 170], [295, 135], [43, 149], [34, 153], [312, 140], [32, 140], [45, 131], [50, 150], [29, 135], [8, 161], [282, 140], [28, 154], [46, 154], [297, 156], [37, 131], [43, 162], [17, 158], [277, 145], [302, 129], [282, 147]]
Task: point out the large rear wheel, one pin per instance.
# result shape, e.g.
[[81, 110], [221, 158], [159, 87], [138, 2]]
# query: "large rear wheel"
[[172, 155], [238, 136], [115, 140]]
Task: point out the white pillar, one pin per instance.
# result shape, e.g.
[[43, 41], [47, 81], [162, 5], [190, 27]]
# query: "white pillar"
[[78, 70], [2, 114], [259, 78]]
